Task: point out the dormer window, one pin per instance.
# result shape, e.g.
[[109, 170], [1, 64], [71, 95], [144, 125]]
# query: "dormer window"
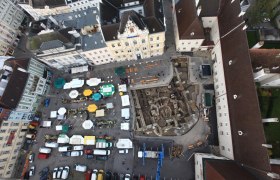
[[131, 30]]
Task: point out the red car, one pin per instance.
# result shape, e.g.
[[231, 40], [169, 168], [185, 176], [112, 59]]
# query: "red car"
[[142, 177], [88, 151], [88, 175], [43, 156]]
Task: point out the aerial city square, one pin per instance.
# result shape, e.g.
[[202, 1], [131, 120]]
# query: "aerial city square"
[[140, 89]]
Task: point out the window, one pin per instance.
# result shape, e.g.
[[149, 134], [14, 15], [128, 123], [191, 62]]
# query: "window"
[[116, 52], [113, 45], [2, 131], [119, 44], [5, 124], [126, 43], [151, 39], [223, 147], [134, 42], [143, 41], [157, 38]]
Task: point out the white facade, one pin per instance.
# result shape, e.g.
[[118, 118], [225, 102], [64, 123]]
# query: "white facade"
[[38, 13], [35, 87], [84, 4], [198, 158], [135, 43], [267, 79], [10, 149], [11, 18], [222, 109], [273, 81], [98, 56], [184, 45]]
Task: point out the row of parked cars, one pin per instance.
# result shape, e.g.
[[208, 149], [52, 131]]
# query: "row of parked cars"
[[61, 172], [101, 175]]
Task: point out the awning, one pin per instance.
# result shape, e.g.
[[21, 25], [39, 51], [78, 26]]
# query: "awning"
[[63, 128], [88, 124], [87, 92], [93, 81], [122, 88], [62, 111], [120, 71], [125, 113], [73, 94], [59, 83], [125, 126], [63, 139], [79, 69], [124, 144], [53, 114], [109, 105], [92, 108], [100, 113], [89, 140], [107, 90], [96, 96], [76, 139], [125, 100]]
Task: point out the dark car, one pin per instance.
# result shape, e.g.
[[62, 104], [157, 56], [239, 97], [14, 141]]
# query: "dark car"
[[44, 173], [47, 102], [135, 177], [89, 156], [102, 158], [116, 176], [108, 175]]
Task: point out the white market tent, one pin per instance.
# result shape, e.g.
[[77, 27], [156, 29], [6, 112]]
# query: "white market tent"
[[125, 126], [63, 139], [109, 105], [125, 100], [62, 111], [122, 88], [88, 124], [124, 144], [74, 83], [73, 94], [93, 81], [89, 140], [53, 114], [46, 124], [125, 113], [76, 139], [99, 113], [79, 69]]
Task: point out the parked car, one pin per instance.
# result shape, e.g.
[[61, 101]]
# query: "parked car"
[[142, 177], [122, 176], [51, 144], [55, 172], [44, 173], [43, 156], [31, 157], [32, 171], [89, 156], [88, 151], [47, 102], [108, 175], [88, 175], [135, 177], [59, 172], [65, 172], [45, 150], [78, 148], [72, 153], [80, 167], [64, 148], [127, 177], [102, 158], [123, 151], [94, 174], [116, 176], [100, 175]]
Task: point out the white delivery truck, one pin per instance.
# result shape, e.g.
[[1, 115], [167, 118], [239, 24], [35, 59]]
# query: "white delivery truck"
[[64, 148], [101, 152], [45, 150]]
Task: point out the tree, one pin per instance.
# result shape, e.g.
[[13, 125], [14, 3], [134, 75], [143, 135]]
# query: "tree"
[[262, 10]]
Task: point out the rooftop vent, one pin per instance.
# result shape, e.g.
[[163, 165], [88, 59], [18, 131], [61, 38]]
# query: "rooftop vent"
[[235, 96], [240, 133], [230, 62], [192, 33]]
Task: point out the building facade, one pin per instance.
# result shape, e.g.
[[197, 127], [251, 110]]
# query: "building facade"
[[11, 17], [12, 135]]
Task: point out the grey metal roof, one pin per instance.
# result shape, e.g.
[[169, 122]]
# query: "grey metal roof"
[[94, 41], [51, 45]]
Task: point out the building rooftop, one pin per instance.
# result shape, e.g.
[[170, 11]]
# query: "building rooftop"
[[190, 27], [225, 169], [50, 3], [244, 111], [209, 8], [16, 84], [265, 58], [51, 40], [152, 19]]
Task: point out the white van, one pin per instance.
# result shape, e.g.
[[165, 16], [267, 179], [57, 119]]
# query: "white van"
[[78, 148], [65, 172], [80, 167], [64, 148], [94, 174], [51, 144], [45, 150], [101, 152]]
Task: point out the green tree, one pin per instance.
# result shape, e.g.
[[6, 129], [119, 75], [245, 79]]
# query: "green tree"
[[261, 10]]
